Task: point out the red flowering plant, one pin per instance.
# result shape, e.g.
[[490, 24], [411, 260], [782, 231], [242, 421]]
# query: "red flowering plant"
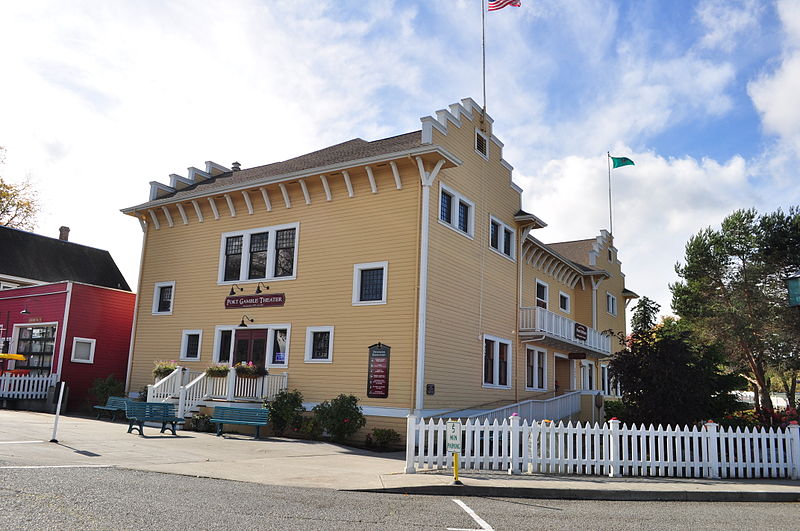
[[341, 417], [249, 370]]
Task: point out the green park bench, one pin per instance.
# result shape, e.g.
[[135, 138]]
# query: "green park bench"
[[114, 404], [241, 416], [140, 412]]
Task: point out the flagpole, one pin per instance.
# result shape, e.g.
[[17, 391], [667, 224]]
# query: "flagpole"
[[610, 218], [483, 50]]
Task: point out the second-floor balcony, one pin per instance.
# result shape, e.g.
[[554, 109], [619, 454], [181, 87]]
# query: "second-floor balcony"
[[539, 321]]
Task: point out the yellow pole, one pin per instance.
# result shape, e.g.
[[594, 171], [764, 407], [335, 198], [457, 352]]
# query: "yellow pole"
[[455, 467]]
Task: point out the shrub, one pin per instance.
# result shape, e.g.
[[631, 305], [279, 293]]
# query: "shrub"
[[142, 394], [102, 388], [341, 417], [382, 439], [202, 423], [614, 408], [285, 411], [309, 428], [163, 369], [217, 370]]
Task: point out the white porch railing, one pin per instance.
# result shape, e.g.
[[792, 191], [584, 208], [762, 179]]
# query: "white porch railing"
[[535, 319], [26, 386], [609, 449], [167, 387], [555, 408], [201, 387]]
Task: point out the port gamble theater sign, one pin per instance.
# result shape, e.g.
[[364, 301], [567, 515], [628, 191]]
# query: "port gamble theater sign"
[[255, 301]]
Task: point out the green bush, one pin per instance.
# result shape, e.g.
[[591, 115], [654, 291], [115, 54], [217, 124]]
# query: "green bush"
[[341, 417], [614, 408], [309, 428], [382, 439], [202, 423], [142, 394], [285, 411], [102, 388]]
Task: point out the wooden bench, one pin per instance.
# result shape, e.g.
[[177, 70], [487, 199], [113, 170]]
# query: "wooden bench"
[[140, 412], [241, 416], [114, 404]]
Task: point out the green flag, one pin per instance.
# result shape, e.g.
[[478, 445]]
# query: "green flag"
[[621, 161]]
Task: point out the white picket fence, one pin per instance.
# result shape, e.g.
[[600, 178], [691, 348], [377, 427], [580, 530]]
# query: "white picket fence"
[[610, 449], [25, 386]]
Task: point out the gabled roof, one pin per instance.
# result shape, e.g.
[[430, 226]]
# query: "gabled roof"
[[37, 257], [577, 250], [350, 151]]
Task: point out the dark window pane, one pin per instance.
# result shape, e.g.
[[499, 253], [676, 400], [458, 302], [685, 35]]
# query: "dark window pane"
[[320, 344], [446, 208], [259, 351], [463, 216], [540, 370], [284, 253], [488, 361], [494, 229], [503, 364], [233, 257], [480, 143], [541, 295], [371, 284], [38, 348], [259, 245], [164, 298], [240, 354], [529, 382], [192, 346], [507, 242], [225, 346]]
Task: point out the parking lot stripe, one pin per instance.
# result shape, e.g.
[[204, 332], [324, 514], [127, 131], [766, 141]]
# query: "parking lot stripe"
[[53, 466], [480, 521], [20, 442]]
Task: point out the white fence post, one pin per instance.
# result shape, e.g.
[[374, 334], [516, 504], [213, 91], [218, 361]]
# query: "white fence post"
[[513, 454], [182, 402], [794, 442], [613, 448], [411, 437], [712, 455]]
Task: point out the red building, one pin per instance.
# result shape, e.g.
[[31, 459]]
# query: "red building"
[[72, 322]]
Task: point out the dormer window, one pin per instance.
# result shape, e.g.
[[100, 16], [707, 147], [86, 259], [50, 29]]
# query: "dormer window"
[[481, 144]]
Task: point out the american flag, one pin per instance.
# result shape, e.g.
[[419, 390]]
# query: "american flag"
[[494, 5]]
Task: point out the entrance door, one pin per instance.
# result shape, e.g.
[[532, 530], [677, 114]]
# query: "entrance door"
[[250, 346]]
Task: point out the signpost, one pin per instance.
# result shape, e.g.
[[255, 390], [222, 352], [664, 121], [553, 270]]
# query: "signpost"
[[378, 371], [454, 445]]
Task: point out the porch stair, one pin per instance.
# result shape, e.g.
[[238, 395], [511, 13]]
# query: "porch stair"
[[549, 405]]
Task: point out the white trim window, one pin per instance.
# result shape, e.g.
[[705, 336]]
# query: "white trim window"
[[611, 304], [605, 381], [370, 283], [497, 360], [536, 369], [319, 344], [542, 293], [564, 302], [191, 341], [278, 341], [502, 238], [456, 211], [587, 368], [83, 350], [277, 353], [265, 253], [163, 298], [481, 144], [223, 343]]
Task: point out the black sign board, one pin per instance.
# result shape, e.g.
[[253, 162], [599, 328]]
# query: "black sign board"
[[577, 355], [378, 371], [581, 332]]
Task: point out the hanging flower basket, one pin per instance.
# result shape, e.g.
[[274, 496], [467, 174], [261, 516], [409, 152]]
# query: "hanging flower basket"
[[163, 369], [217, 371], [248, 370]]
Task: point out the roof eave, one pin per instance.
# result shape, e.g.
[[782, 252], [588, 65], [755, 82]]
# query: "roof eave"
[[450, 161]]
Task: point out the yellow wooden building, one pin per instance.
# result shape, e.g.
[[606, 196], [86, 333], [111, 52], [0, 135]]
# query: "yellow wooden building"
[[313, 266]]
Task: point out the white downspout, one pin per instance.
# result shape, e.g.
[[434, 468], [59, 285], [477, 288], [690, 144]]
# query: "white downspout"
[[427, 181]]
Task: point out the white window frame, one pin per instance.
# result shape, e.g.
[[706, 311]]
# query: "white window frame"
[[457, 199], [588, 368], [605, 380], [500, 249], [271, 343], [611, 303], [217, 336], [483, 135], [496, 368], [270, 269], [156, 297], [357, 268], [185, 342], [310, 344], [535, 352], [546, 294], [92, 343], [569, 302]]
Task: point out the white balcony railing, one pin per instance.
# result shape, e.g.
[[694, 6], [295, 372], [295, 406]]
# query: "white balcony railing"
[[540, 320]]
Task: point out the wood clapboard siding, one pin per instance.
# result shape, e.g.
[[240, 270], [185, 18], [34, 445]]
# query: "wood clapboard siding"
[[472, 290], [333, 236]]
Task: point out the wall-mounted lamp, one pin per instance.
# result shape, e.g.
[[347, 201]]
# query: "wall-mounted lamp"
[[243, 324], [234, 288], [25, 311], [258, 288]]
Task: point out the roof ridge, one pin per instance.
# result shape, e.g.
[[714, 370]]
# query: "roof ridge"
[[30, 233]]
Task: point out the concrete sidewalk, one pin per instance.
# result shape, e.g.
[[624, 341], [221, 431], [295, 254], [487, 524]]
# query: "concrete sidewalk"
[[290, 462]]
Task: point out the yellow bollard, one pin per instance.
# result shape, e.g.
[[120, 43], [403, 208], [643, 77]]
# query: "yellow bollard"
[[455, 470]]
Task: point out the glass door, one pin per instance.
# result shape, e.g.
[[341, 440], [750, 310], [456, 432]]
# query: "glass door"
[[36, 343], [250, 346]]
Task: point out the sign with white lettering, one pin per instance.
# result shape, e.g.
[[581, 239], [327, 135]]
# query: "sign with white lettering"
[[581, 332], [378, 371], [255, 301], [453, 435]]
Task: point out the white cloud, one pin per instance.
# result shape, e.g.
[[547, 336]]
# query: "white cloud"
[[727, 21]]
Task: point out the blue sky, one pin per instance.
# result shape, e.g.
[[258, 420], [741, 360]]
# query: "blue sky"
[[99, 99]]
